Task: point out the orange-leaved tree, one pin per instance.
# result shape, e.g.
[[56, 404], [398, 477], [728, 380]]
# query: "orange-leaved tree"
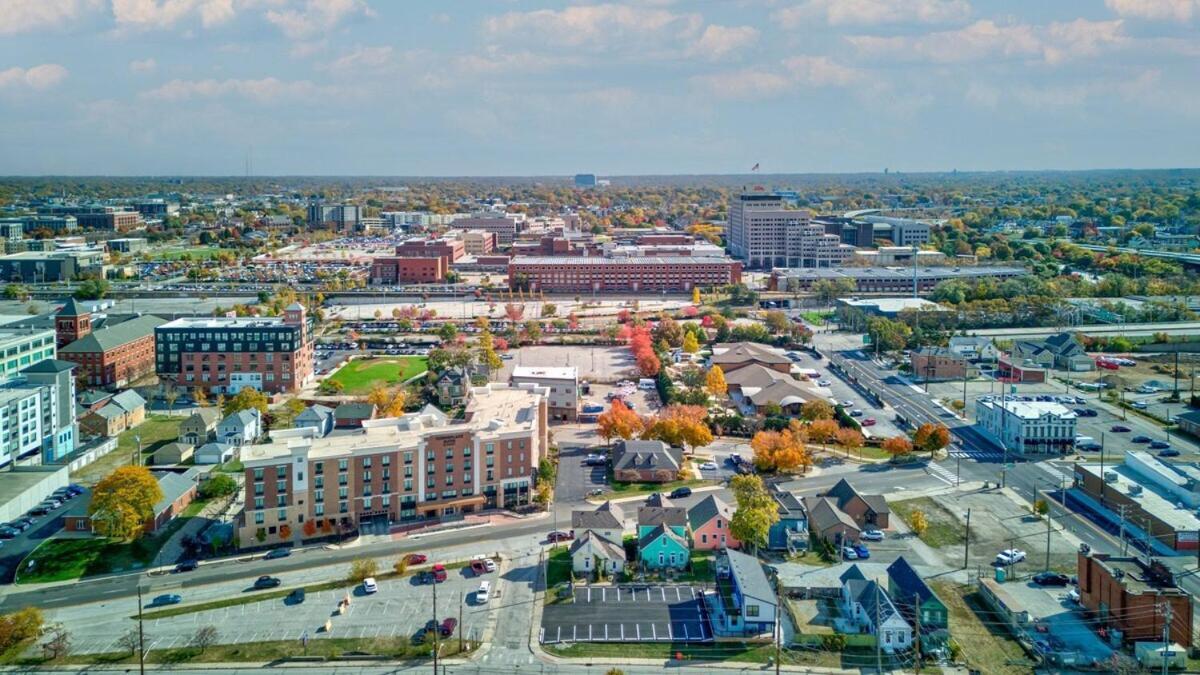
[[898, 446], [850, 439], [682, 425], [931, 437], [619, 422], [822, 431], [123, 501]]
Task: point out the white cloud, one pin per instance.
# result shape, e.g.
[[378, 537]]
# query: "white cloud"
[[718, 41], [1156, 10], [147, 14], [143, 66], [19, 16], [747, 83], [872, 12], [362, 58], [265, 90], [38, 78], [606, 26], [986, 39], [315, 17], [495, 60], [820, 71]]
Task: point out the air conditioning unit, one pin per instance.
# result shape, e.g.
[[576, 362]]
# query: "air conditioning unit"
[[1135, 490], [1110, 476]]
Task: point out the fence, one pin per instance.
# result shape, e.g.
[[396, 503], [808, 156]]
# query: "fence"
[[84, 457]]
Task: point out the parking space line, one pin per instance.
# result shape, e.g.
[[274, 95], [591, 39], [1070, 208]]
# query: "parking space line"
[[678, 595], [574, 633], [618, 593], [559, 635], [653, 631], [664, 594], [589, 590]]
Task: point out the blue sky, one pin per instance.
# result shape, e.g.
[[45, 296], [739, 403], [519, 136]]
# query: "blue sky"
[[516, 87]]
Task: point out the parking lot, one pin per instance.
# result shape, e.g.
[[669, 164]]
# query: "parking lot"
[[400, 608], [12, 551], [595, 364], [634, 613]]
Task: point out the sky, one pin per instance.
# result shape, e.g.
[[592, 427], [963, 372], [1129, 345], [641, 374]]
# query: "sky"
[[531, 87]]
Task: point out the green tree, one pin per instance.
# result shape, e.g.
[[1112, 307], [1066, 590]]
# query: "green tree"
[[123, 501], [220, 485], [447, 332], [246, 399], [91, 289]]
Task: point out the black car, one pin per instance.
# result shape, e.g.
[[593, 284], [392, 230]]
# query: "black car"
[[1140, 439], [680, 492], [296, 597], [266, 581], [1119, 428], [7, 532], [1051, 579], [1159, 445], [39, 510], [186, 565], [276, 553]]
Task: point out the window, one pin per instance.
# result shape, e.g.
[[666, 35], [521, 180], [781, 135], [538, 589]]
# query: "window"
[[258, 518], [343, 464], [752, 610], [386, 460], [258, 474], [704, 539], [282, 514], [258, 503], [366, 463]]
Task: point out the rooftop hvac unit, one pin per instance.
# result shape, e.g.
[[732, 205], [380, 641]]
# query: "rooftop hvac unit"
[[1135, 490], [1110, 476]]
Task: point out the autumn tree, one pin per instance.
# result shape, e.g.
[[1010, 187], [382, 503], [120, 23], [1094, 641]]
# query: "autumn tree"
[[669, 331], [777, 322], [918, 522], [681, 425], [246, 399], [690, 344], [756, 511], [822, 431], [200, 396], [400, 567], [785, 451], [361, 568], [850, 439], [389, 402], [16, 627], [514, 312], [816, 410], [931, 438], [618, 422], [898, 446], [695, 295], [123, 501], [485, 346], [714, 382]]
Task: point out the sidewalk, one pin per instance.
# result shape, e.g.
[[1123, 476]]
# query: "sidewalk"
[[173, 548]]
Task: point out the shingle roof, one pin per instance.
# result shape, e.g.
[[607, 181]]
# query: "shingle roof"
[[71, 308], [755, 376], [707, 509], [874, 599], [675, 516], [602, 546], [824, 513], [110, 412], [843, 492], [660, 531], [354, 411], [129, 399], [659, 499], [749, 576], [173, 487], [782, 392], [646, 455], [907, 579], [739, 352], [607, 516], [112, 337], [242, 418], [207, 416]]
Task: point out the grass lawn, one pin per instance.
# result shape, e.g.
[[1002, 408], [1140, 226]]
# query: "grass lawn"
[[400, 648], [360, 375], [64, 559], [155, 431], [701, 568], [851, 659], [812, 558], [987, 646], [816, 318], [196, 253], [558, 566], [632, 489], [944, 529]]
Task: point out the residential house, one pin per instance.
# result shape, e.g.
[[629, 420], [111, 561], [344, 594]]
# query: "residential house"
[[662, 537], [974, 347], [790, 532], [452, 386], [179, 490], [172, 453], [708, 521], [200, 427], [123, 411], [1068, 353], [867, 608], [592, 551], [745, 603], [241, 428], [1027, 361], [352, 415], [214, 453], [316, 416], [607, 520], [916, 599], [826, 521], [868, 511], [735, 355], [646, 462]]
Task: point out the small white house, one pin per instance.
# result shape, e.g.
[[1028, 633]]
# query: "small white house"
[[867, 608], [241, 428], [591, 552], [974, 347]]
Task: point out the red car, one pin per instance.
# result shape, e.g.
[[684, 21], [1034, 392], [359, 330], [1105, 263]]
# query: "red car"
[[415, 559], [557, 536], [439, 572], [448, 626], [869, 422]]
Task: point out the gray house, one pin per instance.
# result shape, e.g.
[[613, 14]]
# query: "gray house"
[[200, 427], [317, 417], [241, 428]]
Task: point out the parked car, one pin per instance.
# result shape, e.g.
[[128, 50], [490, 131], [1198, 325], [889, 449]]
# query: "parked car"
[[1051, 579], [369, 585], [23, 523], [823, 383], [277, 553], [1010, 556], [1169, 452], [1073, 595], [187, 565], [708, 466], [856, 413], [448, 626], [438, 572], [1159, 445], [558, 535], [168, 599], [415, 558], [869, 422], [1119, 428], [296, 597], [1140, 439], [1089, 446], [266, 581], [39, 510], [483, 566], [862, 551], [871, 535], [680, 492], [483, 592], [848, 553], [596, 492], [7, 532], [1140, 405]]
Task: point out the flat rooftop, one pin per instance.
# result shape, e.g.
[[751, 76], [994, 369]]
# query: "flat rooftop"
[[893, 305], [1030, 410], [14, 483], [223, 322], [898, 273], [581, 261], [546, 373], [1163, 508]]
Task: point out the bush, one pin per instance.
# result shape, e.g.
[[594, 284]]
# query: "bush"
[[833, 643], [220, 485], [15, 628], [361, 569]]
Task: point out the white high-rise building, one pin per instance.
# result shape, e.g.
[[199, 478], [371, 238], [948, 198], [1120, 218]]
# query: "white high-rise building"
[[765, 235]]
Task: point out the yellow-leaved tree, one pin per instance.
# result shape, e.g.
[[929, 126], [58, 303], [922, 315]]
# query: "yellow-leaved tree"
[[714, 382], [123, 501]]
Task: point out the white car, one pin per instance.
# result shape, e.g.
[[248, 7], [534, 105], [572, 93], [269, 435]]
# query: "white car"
[[848, 553], [708, 466], [369, 585], [484, 592], [823, 383], [871, 535], [1010, 556], [1140, 405], [848, 403]]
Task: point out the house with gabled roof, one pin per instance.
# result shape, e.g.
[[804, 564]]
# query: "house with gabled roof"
[[745, 603], [606, 520], [124, 410], [734, 355], [241, 428], [646, 462], [867, 608], [790, 532], [200, 427], [593, 551], [662, 537], [316, 416], [916, 599], [867, 511], [708, 522]]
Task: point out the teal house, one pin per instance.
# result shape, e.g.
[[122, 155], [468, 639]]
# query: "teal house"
[[662, 535]]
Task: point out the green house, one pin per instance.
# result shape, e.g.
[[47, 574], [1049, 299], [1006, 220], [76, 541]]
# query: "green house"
[[914, 597], [662, 535]]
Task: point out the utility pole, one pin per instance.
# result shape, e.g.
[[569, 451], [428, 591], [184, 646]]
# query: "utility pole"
[[141, 636], [437, 630], [778, 628], [878, 648], [967, 540], [1048, 528], [917, 615], [1124, 543], [460, 623], [1166, 609]]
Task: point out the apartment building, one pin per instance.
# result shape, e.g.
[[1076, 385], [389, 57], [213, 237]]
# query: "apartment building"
[[342, 216], [595, 274], [476, 242], [96, 216], [562, 383], [23, 347], [933, 364], [225, 355], [1130, 594], [402, 270], [765, 235], [504, 226], [37, 413], [113, 350], [397, 469], [1028, 427]]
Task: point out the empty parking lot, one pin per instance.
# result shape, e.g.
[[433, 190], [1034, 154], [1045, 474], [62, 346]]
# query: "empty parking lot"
[[633, 613]]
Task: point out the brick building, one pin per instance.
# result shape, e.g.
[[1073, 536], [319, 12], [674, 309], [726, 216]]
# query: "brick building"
[[1131, 594], [505, 227], [397, 270], [112, 350], [594, 274], [397, 469], [938, 363], [225, 355], [477, 242]]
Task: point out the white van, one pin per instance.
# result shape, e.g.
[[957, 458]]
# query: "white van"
[[646, 383], [484, 592]]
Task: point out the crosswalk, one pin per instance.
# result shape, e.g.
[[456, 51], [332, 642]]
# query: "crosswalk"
[[978, 455], [941, 473]]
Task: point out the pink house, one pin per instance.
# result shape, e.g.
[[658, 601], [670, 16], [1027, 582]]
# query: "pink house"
[[709, 522]]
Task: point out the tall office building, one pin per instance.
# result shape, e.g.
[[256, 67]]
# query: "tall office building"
[[765, 235], [343, 216]]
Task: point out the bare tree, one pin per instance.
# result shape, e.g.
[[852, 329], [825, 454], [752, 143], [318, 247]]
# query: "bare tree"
[[171, 394], [130, 641], [205, 638], [58, 642]]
